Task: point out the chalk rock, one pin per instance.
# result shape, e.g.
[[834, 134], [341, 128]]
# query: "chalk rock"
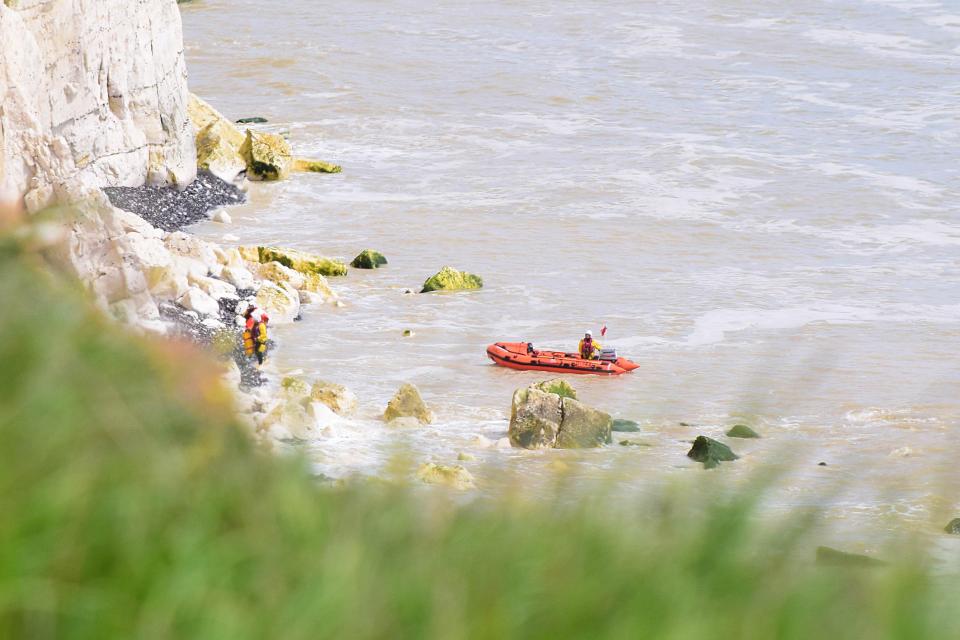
[[280, 301], [301, 281], [196, 300], [239, 277], [336, 396], [408, 403], [93, 97], [267, 156]]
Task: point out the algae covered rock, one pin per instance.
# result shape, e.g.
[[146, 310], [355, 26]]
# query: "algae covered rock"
[[742, 431], [368, 259], [336, 396], [710, 452], [535, 418], [301, 261], [583, 427], [546, 415], [954, 527], [557, 386], [454, 476], [625, 426], [267, 155], [407, 403], [449, 279], [304, 165]]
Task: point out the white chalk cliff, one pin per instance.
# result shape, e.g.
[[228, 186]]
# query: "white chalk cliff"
[[94, 93]]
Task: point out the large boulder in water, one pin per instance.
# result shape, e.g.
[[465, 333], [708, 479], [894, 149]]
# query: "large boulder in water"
[[954, 527], [368, 259], [583, 427], [267, 155], [535, 418], [546, 415], [449, 279], [407, 403], [710, 452], [301, 261]]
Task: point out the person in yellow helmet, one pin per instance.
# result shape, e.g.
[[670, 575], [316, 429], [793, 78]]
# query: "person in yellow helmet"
[[588, 347]]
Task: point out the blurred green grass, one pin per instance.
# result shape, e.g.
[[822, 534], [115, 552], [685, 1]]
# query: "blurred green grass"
[[134, 506]]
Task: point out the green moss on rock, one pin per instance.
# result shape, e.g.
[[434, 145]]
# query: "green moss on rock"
[[742, 431], [449, 279], [315, 166], [626, 426], [302, 261], [369, 259], [557, 386], [710, 452], [267, 156]]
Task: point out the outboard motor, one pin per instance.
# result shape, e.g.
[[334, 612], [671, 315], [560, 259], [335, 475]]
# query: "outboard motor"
[[608, 355]]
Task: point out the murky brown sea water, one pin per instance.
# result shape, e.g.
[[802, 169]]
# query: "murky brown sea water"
[[760, 201]]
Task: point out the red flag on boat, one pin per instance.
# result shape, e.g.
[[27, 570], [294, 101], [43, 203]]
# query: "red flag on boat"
[[603, 331]]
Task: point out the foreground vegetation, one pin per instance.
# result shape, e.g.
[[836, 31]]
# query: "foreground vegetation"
[[133, 506]]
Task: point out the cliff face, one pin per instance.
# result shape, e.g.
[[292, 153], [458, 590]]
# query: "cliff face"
[[93, 93]]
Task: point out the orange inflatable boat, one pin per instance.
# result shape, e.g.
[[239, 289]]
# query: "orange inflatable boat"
[[522, 356]]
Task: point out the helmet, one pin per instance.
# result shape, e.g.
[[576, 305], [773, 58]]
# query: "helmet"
[[589, 333]]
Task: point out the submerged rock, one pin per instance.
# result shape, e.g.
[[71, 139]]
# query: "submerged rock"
[[301, 261], [449, 279], [742, 431], [454, 476], [368, 259], [336, 396], [625, 426], [954, 527], [834, 557], [407, 403], [710, 452], [304, 165], [546, 415], [252, 120], [267, 155]]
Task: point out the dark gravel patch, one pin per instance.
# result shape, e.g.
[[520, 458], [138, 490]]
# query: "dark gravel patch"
[[171, 209]]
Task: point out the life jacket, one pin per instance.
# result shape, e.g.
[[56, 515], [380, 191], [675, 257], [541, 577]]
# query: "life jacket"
[[586, 348], [260, 335]]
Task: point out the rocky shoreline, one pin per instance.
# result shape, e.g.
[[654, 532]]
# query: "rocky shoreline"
[[172, 208]]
